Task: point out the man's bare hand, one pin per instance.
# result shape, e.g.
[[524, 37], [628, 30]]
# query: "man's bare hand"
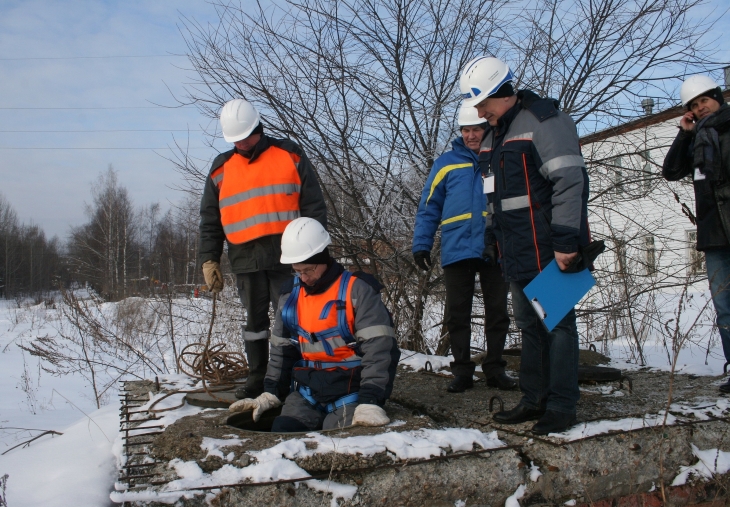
[[564, 259], [687, 122]]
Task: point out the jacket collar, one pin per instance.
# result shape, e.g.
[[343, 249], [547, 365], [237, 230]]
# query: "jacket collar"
[[459, 147], [257, 150], [526, 99], [506, 120], [334, 270], [720, 119]]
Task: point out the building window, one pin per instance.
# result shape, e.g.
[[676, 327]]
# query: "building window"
[[650, 255], [647, 169], [621, 265], [618, 176], [695, 258]]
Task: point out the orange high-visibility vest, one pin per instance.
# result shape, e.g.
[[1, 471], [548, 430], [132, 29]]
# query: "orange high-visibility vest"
[[309, 311], [258, 198]]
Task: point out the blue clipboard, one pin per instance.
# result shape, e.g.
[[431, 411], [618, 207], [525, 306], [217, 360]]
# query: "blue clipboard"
[[554, 293]]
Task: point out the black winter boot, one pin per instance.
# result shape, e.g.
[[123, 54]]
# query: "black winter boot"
[[460, 384], [553, 422], [725, 388], [518, 415], [257, 355], [502, 381]]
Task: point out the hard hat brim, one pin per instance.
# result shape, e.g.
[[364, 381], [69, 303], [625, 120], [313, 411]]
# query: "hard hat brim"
[[294, 259], [242, 136]]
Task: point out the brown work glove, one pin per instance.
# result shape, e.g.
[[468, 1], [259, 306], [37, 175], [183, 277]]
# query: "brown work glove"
[[213, 276]]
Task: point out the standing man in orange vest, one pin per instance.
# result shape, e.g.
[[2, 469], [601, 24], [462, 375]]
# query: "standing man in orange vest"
[[333, 348], [251, 193]]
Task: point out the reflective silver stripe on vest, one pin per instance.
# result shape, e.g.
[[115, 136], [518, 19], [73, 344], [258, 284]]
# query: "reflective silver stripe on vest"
[[375, 331], [526, 136], [251, 336], [282, 188], [218, 178], [514, 203], [278, 216], [559, 162], [312, 348], [279, 341]]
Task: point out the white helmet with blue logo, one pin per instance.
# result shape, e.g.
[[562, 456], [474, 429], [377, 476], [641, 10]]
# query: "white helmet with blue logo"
[[482, 77]]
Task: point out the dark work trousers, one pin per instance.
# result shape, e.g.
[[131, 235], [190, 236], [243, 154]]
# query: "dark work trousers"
[[298, 415], [257, 289], [459, 282], [549, 362]]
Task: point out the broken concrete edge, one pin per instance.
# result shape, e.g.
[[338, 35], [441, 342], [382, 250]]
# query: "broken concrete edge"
[[534, 490], [452, 466]]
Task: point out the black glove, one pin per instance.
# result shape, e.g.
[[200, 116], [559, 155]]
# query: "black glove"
[[422, 259], [586, 256], [490, 254]]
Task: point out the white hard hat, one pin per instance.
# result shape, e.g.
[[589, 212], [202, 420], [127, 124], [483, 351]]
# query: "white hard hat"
[[303, 238], [481, 78], [695, 86], [238, 119], [468, 116]]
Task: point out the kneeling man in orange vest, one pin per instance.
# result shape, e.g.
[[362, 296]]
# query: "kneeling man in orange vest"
[[333, 348]]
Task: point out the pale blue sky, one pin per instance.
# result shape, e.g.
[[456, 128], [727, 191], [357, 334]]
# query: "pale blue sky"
[[40, 45], [47, 184]]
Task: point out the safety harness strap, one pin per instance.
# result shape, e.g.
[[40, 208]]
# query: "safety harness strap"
[[344, 329], [348, 399], [289, 312], [289, 316], [319, 365]]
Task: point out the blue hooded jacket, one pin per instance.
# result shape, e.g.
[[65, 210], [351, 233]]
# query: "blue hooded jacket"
[[453, 197]]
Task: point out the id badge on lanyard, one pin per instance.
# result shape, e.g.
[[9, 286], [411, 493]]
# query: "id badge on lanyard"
[[487, 175], [488, 181]]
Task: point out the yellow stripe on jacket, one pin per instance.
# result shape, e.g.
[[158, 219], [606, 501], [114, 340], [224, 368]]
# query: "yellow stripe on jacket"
[[442, 174]]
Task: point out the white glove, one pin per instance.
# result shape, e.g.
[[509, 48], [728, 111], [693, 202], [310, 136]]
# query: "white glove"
[[369, 415], [264, 402]]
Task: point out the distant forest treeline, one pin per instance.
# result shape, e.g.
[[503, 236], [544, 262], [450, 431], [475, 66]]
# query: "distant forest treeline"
[[29, 262], [120, 251]]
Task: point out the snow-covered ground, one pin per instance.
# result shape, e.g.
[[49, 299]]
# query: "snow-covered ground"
[[78, 466]]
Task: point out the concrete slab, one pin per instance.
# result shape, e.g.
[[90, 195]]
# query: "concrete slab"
[[600, 469]]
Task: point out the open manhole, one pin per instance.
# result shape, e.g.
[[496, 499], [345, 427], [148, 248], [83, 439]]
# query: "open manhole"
[[244, 420]]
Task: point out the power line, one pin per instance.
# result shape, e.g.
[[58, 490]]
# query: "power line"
[[109, 130], [116, 107], [90, 57], [34, 148]]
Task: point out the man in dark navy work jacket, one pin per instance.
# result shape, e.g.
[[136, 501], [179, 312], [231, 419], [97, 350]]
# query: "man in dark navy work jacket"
[[453, 199], [532, 161]]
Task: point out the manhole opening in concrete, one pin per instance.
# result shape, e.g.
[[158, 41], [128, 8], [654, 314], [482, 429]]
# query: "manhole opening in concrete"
[[244, 421]]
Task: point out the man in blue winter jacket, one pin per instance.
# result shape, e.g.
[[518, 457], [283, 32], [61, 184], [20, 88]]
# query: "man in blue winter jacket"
[[539, 191], [454, 198]]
